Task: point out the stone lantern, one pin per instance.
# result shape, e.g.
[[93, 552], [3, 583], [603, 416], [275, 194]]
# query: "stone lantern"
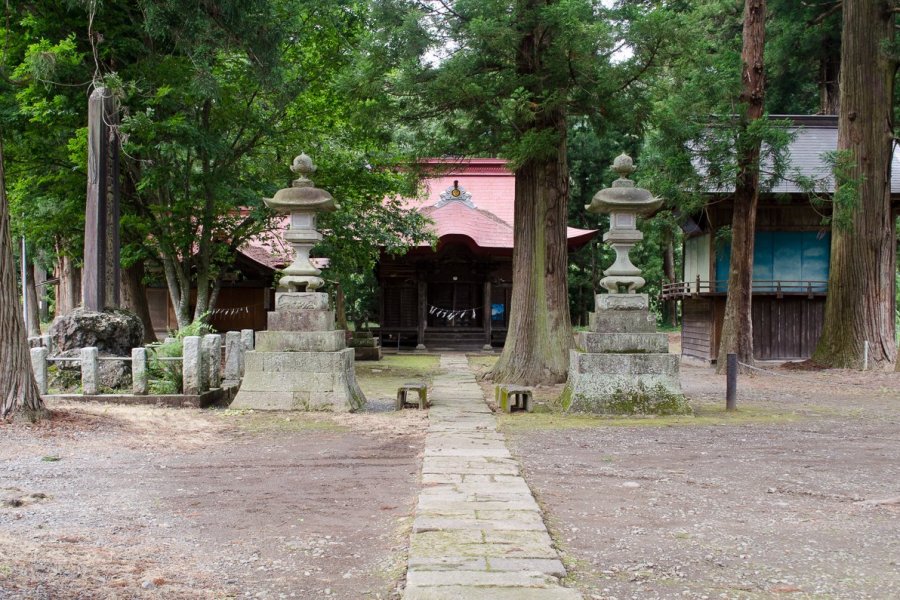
[[624, 203], [622, 358], [301, 362], [301, 201]]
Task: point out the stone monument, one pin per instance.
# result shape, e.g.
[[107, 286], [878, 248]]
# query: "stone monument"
[[622, 360], [301, 362]]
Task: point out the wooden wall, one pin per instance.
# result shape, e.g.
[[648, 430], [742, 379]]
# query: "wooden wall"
[[785, 328], [697, 328]]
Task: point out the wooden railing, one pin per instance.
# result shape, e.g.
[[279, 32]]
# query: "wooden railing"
[[778, 287]]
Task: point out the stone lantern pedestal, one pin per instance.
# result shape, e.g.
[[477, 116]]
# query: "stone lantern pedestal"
[[622, 361], [301, 362]]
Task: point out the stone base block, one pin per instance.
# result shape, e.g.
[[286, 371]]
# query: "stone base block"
[[623, 343], [621, 302], [368, 353], [363, 342], [300, 341], [622, 364], [597, 381], [300, 320], [300, 381], [301, 301], [622, 321]]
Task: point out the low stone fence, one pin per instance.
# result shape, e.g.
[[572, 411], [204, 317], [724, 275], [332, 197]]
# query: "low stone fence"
[[202, 366]]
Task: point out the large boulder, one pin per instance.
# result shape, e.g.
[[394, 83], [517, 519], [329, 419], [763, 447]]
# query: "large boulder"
[[113, 332]]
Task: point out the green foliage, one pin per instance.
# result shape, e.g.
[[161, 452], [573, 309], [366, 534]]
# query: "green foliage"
[[166, 375]]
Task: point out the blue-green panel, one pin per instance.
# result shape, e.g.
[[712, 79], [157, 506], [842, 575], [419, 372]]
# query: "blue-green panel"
[[816, 257], [787, 258], [723, 260], [763, 262], [782, 256]]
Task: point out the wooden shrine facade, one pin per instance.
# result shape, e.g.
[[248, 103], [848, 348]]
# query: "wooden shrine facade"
[[456, 295], [450, 298]]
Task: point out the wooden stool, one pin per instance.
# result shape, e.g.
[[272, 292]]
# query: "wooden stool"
[[513, 397], [403, 392]]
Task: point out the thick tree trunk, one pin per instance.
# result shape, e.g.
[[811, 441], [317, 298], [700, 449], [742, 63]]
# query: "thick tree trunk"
[[540, 329], [18, 390], [540, 332], [68, 291], [859, 306], [737, 329], [134, 298], [40, 279]]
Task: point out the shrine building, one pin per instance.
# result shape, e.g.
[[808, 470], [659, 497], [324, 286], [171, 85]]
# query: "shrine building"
[[456, 295]]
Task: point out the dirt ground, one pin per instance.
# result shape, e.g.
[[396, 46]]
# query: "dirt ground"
[[798, 494], [147, 502]]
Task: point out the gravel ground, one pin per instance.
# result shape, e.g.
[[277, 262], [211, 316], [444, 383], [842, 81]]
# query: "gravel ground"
[[799, 495], [147, 502]]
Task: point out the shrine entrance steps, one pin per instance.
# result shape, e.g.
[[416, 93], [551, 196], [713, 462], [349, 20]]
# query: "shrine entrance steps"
[[478, 532]]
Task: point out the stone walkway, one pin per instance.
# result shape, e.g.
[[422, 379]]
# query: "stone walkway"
[[478, 532]]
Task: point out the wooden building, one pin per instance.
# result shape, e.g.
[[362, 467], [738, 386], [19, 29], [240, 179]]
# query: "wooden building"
[[247, 294], [790, 261], [457, 294]]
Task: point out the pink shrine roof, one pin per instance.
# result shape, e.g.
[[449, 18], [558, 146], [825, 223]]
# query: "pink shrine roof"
[[474, 198]]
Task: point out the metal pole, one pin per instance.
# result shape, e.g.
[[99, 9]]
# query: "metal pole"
[[866, 355], [731, 385], [24, 290]]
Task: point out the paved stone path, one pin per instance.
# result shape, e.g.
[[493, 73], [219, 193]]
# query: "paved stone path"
[[478, 532]]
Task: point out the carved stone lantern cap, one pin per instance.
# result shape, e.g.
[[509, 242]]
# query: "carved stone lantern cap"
[[623, 196], [302, 194]]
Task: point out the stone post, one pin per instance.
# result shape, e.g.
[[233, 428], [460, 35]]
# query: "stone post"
[[39, 366], [90, 371], [191, 366], [212, 348], [100, 287], [139, 380], [247, 340], [234, 356]]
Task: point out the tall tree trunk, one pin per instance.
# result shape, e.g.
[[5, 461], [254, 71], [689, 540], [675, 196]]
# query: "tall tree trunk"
[[671, 306], [134, 298], [179, 288], [861, 279], [68, 291], [540, 331], [18, 390], [737, 330], [34, 316]]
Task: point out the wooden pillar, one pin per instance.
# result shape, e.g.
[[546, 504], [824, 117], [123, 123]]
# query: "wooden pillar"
[[423, 314], [100, 287], [487, 315]]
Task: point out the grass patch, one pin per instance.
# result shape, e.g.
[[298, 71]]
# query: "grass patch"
[[253, 421], [704, 416], [380, 379]]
